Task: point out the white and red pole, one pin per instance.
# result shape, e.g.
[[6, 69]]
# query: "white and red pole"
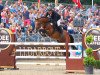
[[39, 2]]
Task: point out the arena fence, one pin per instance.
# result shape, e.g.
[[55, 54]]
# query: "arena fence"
[[41, 54], [50, 53]]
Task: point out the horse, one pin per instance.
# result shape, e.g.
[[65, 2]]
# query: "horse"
[[47, 29]]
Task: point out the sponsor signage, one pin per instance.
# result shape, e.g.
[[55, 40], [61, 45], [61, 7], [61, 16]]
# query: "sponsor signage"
[[95, 45], [4, 37], [46, 51]]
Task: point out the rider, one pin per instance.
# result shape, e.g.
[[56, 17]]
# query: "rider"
[[53, 18]]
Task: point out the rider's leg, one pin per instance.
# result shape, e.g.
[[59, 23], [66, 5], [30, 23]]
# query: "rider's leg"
[[56, 27], [59, 26]]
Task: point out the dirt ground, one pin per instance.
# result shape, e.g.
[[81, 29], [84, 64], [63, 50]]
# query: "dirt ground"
[[41, 69]]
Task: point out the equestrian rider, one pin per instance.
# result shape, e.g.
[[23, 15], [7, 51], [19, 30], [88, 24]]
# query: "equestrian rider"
[[53, 18]]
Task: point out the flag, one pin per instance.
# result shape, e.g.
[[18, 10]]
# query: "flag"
[[75, 1], [38, 1], [19, 1], [78, 3], [0, 1]]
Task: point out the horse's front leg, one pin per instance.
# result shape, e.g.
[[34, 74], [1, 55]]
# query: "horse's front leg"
[[37, 27]]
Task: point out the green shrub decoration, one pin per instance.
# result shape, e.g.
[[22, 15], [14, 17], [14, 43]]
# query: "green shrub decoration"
[[89, 61], [97, 64], [89, 39], [89, 51]]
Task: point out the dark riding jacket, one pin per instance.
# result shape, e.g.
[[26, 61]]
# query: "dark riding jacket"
[[54, 17]]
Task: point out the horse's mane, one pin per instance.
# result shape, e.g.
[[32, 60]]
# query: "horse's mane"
[[43, 19]]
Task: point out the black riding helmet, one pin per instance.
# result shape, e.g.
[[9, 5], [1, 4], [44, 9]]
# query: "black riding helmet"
[[49, 8]]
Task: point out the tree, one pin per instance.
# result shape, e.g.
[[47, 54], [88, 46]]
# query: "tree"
[[84, 2]]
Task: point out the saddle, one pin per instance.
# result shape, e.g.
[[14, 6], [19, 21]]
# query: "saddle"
[[57, 28]]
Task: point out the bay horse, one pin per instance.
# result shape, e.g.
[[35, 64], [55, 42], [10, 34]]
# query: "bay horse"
[[47, 28]]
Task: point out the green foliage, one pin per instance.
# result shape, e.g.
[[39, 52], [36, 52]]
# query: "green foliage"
[[89, 61], [89, 51], [97, 64], [89, 39], [84, 2]]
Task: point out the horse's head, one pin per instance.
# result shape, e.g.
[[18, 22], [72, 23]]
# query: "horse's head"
[[43, 26], [40, 21]]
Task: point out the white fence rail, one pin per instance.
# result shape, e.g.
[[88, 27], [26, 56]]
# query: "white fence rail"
[[31, 43], [25, 50]]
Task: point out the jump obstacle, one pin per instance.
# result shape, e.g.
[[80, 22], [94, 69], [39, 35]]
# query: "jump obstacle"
[[40, 57], [8, 54]]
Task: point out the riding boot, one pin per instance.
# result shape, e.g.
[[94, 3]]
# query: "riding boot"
[[60, 29], [55, 26]]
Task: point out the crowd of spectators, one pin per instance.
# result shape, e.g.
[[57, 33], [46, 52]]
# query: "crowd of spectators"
[[20, 18]]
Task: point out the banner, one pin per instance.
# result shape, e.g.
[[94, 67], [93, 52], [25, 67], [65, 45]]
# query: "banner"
[[78, 3], [95, 32]]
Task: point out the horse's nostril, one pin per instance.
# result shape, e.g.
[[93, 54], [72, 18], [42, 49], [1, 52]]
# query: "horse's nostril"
[[42, 30]]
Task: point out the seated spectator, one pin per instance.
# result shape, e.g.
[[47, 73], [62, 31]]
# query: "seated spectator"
[[2, 25], [18, 31], [78, 21]]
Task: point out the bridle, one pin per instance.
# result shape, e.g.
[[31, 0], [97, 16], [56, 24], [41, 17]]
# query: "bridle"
[[43, 26]]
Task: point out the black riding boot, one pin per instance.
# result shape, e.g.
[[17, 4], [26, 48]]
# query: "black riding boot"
[[60, 29], [57, 28]]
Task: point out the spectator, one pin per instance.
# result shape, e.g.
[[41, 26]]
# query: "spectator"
[[26, 17], [1, 8], [94, 8], [4, 17], [78, 21], [25, 6], [19, 18], [66, 14]]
